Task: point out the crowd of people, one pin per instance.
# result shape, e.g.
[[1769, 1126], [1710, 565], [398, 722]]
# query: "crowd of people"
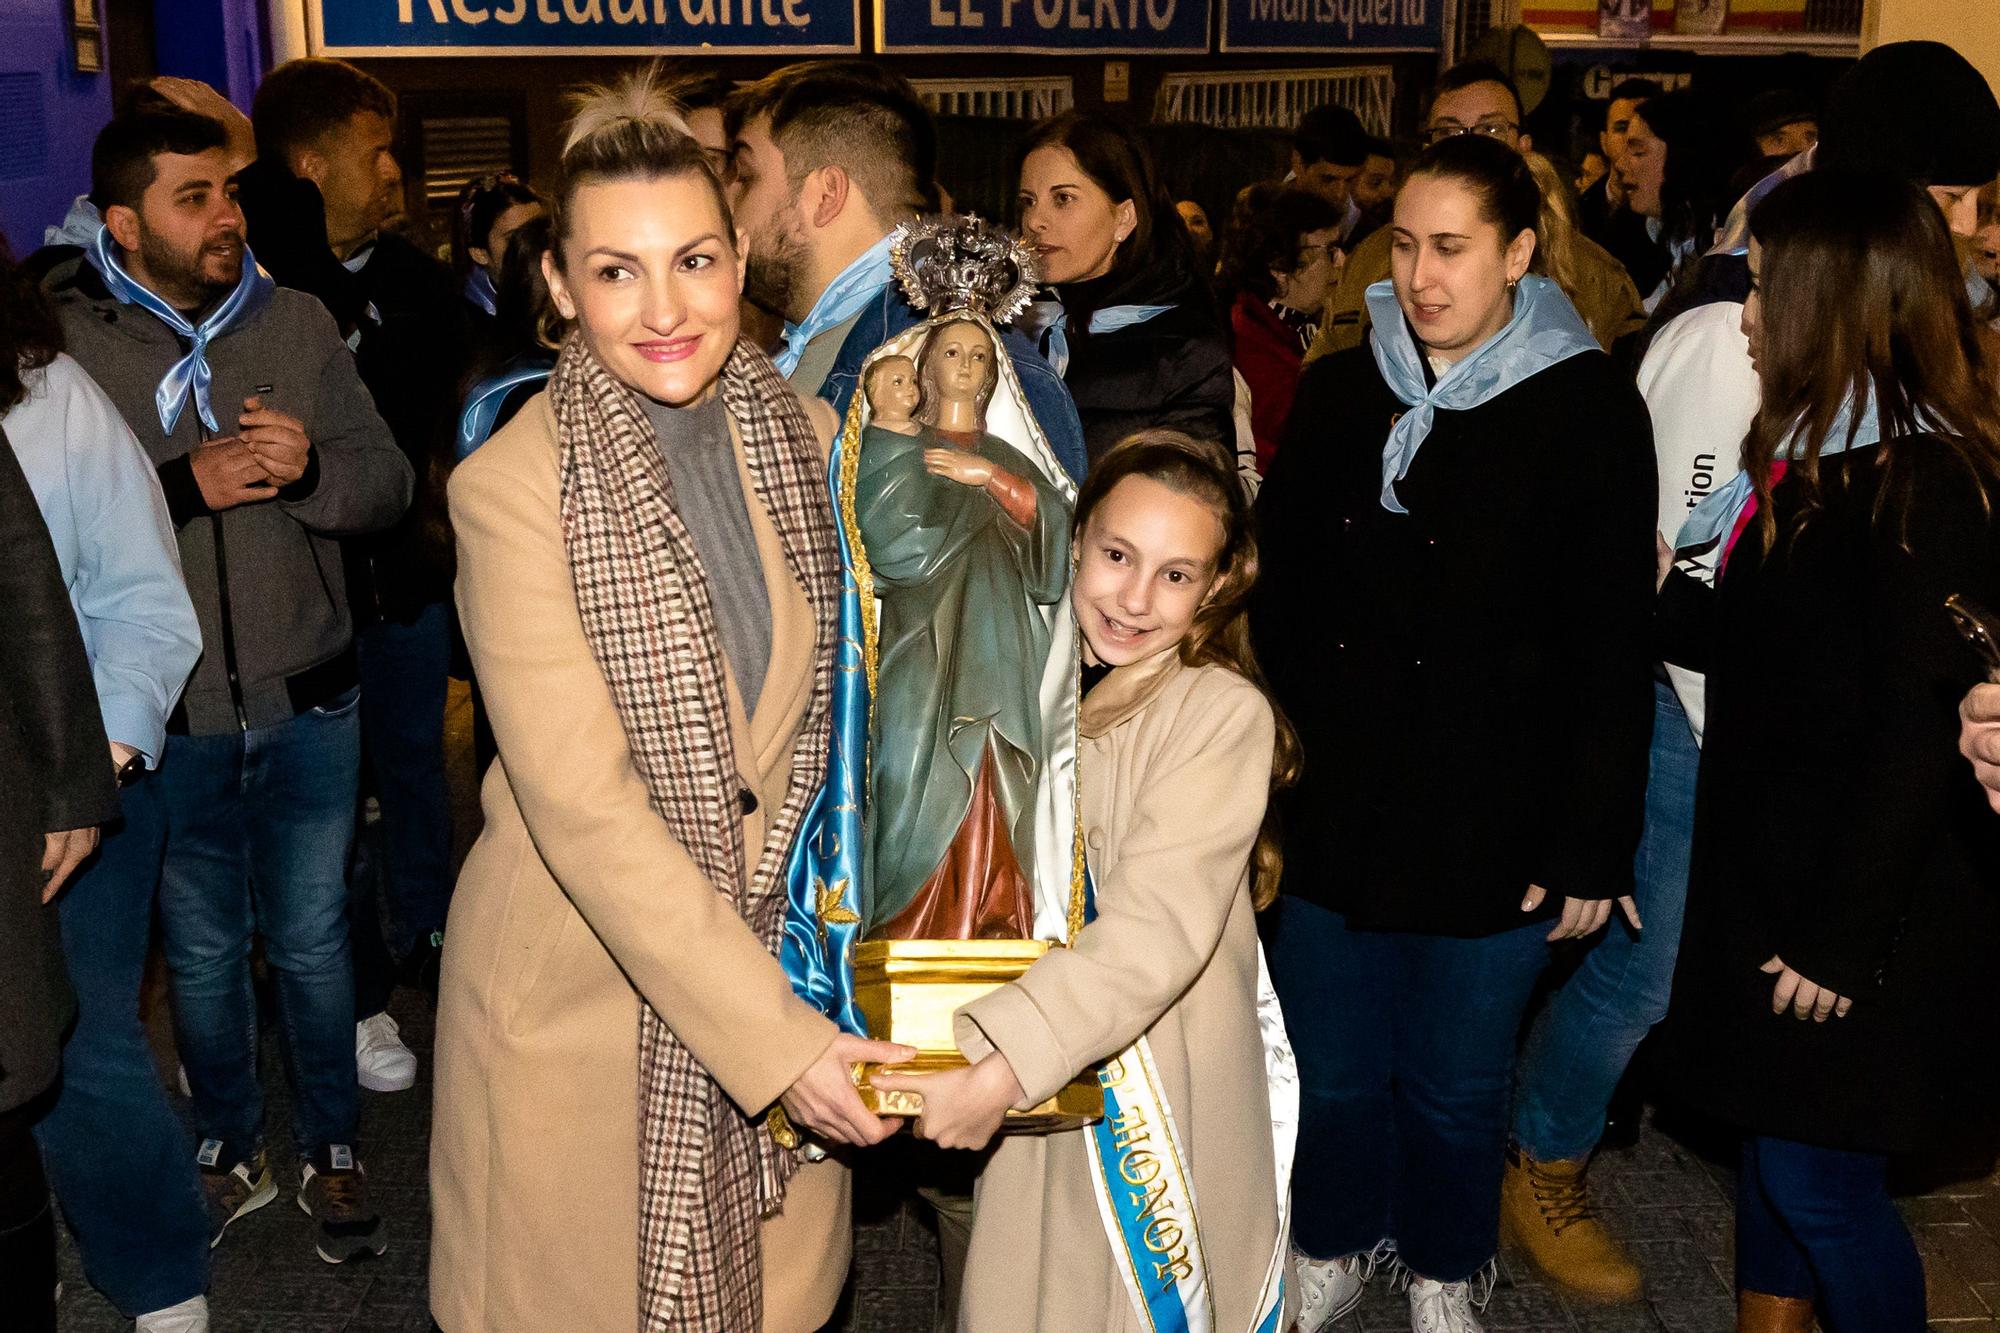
[[1512, 608]]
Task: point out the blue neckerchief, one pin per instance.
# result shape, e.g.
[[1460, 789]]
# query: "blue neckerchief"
[[479, 290], [1715, 517], [190, 374], [841, 301], [1047, 323], [1543, 330]]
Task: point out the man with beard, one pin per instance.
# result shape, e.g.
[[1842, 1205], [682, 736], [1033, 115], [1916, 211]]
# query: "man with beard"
[[830, 157], [268, 450], [324, 133]]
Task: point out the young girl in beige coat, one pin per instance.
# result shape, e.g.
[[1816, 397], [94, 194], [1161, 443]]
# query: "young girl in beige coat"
[[1161, 989]]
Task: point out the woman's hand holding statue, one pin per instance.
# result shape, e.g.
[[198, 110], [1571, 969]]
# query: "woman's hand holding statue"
[[824, 1100]]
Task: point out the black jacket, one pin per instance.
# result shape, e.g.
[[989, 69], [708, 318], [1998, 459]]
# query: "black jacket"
[[1624, 234], [1471, 682], [285, 219], [1171, 370], [1836, 825], [415, 345], [55, 773]]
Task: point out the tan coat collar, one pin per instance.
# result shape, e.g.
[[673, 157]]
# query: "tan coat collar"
[[1125, 691]]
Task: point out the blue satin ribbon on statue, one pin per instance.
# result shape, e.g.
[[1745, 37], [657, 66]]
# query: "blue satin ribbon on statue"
[[1543, 330], [480, 291], [1047, 323], [189, 376], [843, 298], [1715, 517], [823, 874]]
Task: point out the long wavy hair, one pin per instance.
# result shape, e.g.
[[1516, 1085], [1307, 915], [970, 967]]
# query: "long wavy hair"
[[1860, 295], [30, 337], [1220, 635]]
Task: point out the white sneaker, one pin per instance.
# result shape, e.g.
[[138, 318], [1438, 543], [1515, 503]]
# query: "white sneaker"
[[381, 1062], [1441, 1307], [190, 1316], [1329, 1289]]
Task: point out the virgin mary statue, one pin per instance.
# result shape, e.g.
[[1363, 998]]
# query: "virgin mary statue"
[[950, 808], [967, 543]]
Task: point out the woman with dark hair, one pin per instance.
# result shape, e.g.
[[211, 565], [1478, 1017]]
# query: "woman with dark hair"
[[1132, 329], [1833, 994], [1680, 156], [490, 209], [1456, 563], [527, 333], [648, 579], [1278, 264]]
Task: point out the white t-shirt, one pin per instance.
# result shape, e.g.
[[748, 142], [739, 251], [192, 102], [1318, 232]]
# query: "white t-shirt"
[[1702, 392]]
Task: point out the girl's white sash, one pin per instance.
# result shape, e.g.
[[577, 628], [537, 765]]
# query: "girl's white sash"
[[1145, 1192]]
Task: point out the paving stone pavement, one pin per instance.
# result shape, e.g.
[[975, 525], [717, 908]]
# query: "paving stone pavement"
[[1669, 1202], [1667, 1198]]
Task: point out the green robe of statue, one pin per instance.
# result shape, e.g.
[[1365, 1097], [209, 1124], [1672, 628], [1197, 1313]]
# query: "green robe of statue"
[[962, 645]]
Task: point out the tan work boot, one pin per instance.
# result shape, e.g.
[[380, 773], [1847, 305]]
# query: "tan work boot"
[[1545, 1209], [1757, 1312]]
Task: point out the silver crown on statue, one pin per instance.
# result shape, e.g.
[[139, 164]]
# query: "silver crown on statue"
[[953, 262]]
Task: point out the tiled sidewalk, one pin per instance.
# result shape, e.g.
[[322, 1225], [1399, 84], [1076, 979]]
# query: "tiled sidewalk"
[[1668, 1202]]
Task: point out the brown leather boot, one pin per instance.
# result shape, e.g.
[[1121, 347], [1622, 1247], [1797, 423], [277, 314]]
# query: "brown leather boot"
[[1757, 1312], [1545, 1210]]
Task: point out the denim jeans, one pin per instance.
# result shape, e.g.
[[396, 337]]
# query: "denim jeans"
[[1817, 1224], [404, 669], [118, 1156], [1405, 1046], [1580, 1044], [258, 827]]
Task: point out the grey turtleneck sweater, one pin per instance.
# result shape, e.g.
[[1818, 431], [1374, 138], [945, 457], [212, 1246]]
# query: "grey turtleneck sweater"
[[700, 456]]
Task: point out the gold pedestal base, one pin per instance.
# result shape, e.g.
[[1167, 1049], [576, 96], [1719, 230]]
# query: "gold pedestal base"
[[908, 991]]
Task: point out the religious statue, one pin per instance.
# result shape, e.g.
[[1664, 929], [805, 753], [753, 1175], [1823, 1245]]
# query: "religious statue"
[[954, 750], [968, 544]]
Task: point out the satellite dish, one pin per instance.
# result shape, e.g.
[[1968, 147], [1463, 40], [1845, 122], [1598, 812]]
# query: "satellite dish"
[[1521, 52]]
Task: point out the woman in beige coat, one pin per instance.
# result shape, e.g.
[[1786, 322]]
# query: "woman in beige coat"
[[647, 575], [1179, 751]]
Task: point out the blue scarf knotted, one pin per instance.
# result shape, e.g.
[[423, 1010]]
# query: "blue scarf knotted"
[[843, 298], [1047, 323], [1543, 330], [1715, 517], [190, 374]]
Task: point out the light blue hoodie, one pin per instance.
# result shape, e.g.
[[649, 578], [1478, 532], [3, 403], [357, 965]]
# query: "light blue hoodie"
[[79, 226]]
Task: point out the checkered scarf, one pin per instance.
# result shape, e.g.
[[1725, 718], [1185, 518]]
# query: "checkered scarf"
[[707, 1174]]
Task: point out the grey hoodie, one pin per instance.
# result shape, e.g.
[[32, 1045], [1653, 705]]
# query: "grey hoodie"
[[266, 578]]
